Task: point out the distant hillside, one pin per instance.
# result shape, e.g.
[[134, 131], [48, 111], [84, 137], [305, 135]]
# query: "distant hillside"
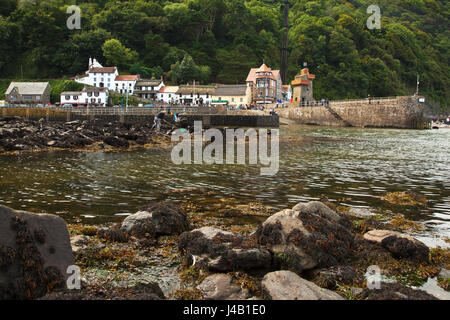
[[226, 38]]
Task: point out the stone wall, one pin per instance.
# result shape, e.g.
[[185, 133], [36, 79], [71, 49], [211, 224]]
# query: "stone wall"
[[400, 112]]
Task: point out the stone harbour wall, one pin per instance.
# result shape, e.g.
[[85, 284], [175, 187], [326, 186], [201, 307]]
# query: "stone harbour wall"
[[400, 112]]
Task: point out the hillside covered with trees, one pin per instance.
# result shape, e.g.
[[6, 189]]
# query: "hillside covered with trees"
[[218, 41]]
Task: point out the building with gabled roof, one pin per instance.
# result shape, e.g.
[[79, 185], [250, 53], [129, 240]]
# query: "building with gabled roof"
[[274, 75], [148, 88], [91, 96], [233, 95], [28, 93], [168, 94]]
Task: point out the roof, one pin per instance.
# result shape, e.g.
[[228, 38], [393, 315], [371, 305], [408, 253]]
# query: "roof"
[[130, 77], [169, 89], [28, 87], [149, 82], [252, 74], [231, 90], [300, 82], [94, 89], [71, 93], [264, 68], [103, 70], [197, 89]]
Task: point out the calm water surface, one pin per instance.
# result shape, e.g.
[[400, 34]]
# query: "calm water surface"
[[358, 165]]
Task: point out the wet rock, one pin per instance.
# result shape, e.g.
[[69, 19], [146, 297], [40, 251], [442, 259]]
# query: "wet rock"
[[395, 291], [220, 287], [222, 251], [35, 253], [308, 236], [286, 285], [116, 142], [445, 274], [330, 277], [156, 220], [400, 245], [79, 243], [113, 234]]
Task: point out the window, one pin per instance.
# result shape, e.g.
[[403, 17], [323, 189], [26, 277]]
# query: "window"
[[38, 97], [67, 97], [242, 99], [89, 94], [95, 84], [232, 99], [26, 97], [95, 79], [96, 94], [75, 97], [87, 100], [99, 100]]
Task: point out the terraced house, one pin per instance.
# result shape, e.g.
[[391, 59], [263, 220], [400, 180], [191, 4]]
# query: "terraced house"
[[232, 95], [28, 93]]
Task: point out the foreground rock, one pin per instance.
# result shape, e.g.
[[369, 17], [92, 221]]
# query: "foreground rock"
[[400, 245], [222, 251], [395, 291], [330, 277], [156, 220], [308, 236], [35, 253], [286, 285], [143, 291], [221, 287]]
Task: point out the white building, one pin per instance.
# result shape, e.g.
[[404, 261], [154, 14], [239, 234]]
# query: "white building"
[[168, 94], [195, 94], [148, 89], [91, 96], [99, 76], [125, 83]]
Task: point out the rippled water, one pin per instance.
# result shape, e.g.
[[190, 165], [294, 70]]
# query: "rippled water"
[[360, 165]]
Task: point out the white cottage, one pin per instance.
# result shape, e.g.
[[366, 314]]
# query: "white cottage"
[[91, 96], [125, 84], [168, 94], [99, 76]]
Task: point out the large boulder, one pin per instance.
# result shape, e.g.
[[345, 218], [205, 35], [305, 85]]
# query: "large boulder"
[[221, 287], [222, 251], [35, 253], [400, 245], [308, 236], [156, 220], [286, 285]]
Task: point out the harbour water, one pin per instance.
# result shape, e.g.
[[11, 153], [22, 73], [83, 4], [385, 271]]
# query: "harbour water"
[[352, 166]]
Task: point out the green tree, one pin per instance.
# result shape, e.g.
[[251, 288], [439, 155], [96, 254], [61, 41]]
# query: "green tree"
[[117, 54]]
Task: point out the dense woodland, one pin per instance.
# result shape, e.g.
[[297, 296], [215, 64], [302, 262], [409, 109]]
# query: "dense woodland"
[[218, 41]]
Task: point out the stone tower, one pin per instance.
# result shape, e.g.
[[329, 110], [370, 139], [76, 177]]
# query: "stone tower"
[[302, 87]]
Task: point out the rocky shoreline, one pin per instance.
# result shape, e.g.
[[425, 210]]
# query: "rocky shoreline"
[[21, 135], [167, 251]]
